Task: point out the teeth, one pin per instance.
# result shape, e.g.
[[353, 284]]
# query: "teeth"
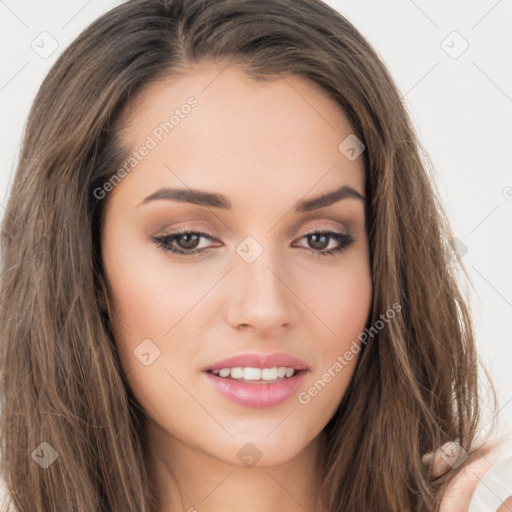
[[252, 373], [236, 373], [257, 374], [269, 373]]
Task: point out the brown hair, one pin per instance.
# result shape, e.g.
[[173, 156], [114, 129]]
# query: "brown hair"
[[415, 386]]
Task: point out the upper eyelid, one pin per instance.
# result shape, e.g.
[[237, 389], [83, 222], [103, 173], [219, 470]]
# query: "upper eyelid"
[[204, 233]]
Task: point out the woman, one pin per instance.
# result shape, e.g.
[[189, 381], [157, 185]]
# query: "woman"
[[225, 282]]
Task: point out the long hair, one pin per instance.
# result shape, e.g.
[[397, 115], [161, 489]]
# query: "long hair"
[[63, 393]]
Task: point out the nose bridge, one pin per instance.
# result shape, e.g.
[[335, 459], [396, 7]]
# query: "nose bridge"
[[261, 296]]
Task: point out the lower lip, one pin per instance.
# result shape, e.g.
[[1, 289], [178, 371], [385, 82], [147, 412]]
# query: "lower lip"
[[258, 394]]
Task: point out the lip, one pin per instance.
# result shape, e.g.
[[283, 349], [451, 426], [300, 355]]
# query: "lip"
[[259, 361], [258, 394]]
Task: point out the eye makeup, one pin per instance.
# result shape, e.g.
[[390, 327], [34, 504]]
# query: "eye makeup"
[[168, 242]]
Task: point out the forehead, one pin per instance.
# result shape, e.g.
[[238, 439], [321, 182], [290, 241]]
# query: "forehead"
[[281, 134]]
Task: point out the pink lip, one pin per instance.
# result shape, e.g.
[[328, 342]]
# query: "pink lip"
[[259, 361], [258, 394]]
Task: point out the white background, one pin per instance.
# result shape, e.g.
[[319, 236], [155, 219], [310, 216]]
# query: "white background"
[[461, 108]]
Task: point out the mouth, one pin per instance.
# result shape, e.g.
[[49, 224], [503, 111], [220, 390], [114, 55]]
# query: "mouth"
[[265, 387], [257, 380]]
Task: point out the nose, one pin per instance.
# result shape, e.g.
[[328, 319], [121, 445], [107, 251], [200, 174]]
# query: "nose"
[[262, 296]]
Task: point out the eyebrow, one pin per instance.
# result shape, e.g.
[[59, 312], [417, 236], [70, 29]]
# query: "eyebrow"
[[213, 200]]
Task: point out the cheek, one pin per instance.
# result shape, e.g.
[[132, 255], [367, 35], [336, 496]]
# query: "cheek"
[[344, 305], [148, 296], [143, 310], [340, 297]]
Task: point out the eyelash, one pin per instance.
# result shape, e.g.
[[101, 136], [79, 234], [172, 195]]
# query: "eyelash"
[[164, 242]]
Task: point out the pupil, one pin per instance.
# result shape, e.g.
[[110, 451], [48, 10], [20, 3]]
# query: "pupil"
[[314, 241], [188, 244]]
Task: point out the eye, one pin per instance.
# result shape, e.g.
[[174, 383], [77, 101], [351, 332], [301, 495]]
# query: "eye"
[[319, 240], [186, 242]]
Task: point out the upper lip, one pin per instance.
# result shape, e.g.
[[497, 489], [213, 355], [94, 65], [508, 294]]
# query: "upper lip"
[[260, 361]]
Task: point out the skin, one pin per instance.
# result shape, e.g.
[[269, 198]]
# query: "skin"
[[265, 146], [506, 506], [460, 491]]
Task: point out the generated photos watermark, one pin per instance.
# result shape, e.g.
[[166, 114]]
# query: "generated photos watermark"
[[304, 397], [151, 142]]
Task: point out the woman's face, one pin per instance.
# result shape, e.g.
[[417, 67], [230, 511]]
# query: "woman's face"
[[260, 285]]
